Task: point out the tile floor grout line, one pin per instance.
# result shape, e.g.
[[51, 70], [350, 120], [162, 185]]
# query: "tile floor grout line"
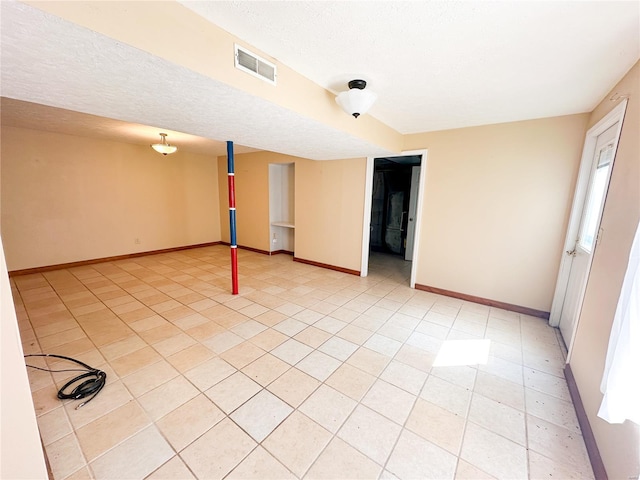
[[358, 403], [62, 406], [134, 398], [403, 426], [466, 423], [524, 395], [468, 411], [358, 289]]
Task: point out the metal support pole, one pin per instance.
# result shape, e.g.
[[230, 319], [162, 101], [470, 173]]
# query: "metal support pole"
[[232, 219]]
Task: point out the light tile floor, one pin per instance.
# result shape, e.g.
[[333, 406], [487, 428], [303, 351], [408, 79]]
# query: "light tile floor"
[[308, 373]]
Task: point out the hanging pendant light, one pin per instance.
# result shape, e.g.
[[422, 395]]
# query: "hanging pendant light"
[[356, 100], [164, 148]]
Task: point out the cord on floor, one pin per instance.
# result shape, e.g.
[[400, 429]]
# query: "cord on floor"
[[95, 379]]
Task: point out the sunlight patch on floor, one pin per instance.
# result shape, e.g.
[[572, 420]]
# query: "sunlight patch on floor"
[[463, 352]]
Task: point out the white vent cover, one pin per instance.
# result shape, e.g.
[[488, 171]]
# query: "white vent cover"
[[253, 64]]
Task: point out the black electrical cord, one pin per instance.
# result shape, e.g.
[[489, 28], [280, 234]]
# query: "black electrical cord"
[[96, 379]]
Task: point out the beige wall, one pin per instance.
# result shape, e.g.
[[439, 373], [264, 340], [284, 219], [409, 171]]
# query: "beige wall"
[[329, 206], [496, 207], [329, 211], [507, 187], [20, 451], [67, 198], [619, 445], [252, 197]]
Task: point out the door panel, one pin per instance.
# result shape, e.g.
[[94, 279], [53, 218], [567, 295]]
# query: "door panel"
[[413, 205], [377, 211], [395, 217], [587, 239]]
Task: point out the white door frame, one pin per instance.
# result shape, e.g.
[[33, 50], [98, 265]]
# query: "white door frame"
[[582, 184], [366, 223]]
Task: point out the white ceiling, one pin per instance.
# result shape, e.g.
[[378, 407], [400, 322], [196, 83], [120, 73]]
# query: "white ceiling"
[[447, 64], [435, 65]]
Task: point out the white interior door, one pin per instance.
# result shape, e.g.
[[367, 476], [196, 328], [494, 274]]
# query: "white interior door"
[[582, 252], [413, 206]]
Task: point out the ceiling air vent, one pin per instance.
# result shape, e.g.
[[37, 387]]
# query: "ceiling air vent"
[[255, 65]]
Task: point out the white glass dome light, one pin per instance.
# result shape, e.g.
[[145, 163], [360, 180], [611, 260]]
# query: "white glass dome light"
[[164, 148], [356, 101]]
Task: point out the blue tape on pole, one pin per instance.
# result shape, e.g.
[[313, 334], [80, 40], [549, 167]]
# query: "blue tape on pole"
[[230, 165], [232, 227]]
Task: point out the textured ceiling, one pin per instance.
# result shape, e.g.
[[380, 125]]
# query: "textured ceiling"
[[50, 61], [447, 64], [16, 113], [435, 65]]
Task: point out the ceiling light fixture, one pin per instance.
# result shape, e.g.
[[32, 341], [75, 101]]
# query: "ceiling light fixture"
[[356, 100], [164, 148]]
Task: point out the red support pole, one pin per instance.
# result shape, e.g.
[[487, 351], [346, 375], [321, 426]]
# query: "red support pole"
[[232, 219], [234, 270]]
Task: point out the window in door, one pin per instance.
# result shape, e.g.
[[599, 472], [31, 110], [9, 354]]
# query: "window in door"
[[595, 197]]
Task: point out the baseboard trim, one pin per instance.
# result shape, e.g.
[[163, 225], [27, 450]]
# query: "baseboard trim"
[[597, 465], [280, 252], [82, 263], [485, 301], [325, 265]]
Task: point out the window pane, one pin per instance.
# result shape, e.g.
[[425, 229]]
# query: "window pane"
[[594, 203]]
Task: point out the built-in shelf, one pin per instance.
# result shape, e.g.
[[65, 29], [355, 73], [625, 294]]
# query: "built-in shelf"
[[283, 224], [281, 207]]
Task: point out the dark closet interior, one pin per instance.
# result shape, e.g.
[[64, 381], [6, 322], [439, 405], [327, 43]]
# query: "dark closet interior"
[[390, 203]]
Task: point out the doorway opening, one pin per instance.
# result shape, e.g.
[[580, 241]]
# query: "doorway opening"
[[392, 215]]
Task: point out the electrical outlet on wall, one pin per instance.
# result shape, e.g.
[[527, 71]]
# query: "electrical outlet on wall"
[[275, 239]]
